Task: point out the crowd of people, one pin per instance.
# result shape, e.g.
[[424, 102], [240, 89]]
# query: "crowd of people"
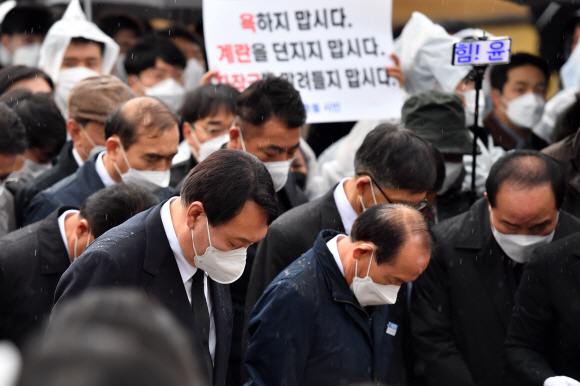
[[159, 228]]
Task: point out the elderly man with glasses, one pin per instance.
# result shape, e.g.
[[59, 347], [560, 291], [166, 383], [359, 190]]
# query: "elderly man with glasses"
[[393, 165]]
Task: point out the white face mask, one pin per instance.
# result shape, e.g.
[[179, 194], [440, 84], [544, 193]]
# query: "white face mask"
[[222, 267], [519, 248], [452, 172], [369, 293], [279, 170], [192, 74], [75, 246], [66, 81], [168, 91], [34, 169], [526, 110], [28, 55], [120, 67], [469, 98], [151, 180], [373, 193]]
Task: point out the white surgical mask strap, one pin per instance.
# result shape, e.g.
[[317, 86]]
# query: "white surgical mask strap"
[[208, 235], [242, 138], [124, 156], [88, 239], [371, 261], [194, 134], [87, 136], [75, 247]]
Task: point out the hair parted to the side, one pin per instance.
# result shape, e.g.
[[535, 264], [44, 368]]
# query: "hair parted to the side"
[[389, 227], [225, 181], [397, 158]]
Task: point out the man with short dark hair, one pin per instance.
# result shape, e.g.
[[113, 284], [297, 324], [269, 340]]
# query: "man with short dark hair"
[[33, 258], [142, 138], [518, 93], [226, 205], [23, 30], [89, 103], [461, 306], [324, 320], [12, 144], [155, 68], [45, 133], [403, 173], [207, 112], [269, 115]]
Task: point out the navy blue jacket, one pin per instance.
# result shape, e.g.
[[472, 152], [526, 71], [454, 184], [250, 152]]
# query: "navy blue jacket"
[[72, 190], [309, 329], [136, 254]]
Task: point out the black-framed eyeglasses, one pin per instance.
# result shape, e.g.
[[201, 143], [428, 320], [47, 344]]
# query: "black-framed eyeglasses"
[[420, 206]]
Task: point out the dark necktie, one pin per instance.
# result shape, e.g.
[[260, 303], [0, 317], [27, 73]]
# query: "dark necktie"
[[200, 312]]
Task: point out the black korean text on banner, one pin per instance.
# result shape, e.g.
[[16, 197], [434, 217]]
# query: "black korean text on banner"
[[334, 52]]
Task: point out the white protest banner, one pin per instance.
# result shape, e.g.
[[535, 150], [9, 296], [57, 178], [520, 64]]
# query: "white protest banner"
[[335, 52]]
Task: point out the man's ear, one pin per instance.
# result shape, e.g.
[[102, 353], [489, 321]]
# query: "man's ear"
[[82, 228], [6, 43], [360, 184], [74, 130], [235, 139], [362, 250], [135, 84], [112, 145], [488, 203], [194, 213], [496, 98]]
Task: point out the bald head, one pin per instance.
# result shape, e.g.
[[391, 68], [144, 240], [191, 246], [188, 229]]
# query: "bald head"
[[138, 116], [391, 228], [524, 171]]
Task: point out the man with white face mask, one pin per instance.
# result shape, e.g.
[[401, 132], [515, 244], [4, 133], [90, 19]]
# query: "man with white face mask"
[[269, 115], [155, 68], [89, 103], [518, 94], [185, 252], [33, 258], [324, 320], [23, 30], [462, 304], [142, 138], [75, 49], [439, 118]]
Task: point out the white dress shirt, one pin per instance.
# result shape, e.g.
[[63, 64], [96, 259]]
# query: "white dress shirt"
[[333, 248], [61, 219], [77, 157], [345, 210], [103, 173], [187, 271]]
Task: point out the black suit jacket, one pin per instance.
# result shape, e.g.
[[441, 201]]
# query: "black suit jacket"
[[32, 260], [544, 333], [137, 254], [462, 304], [65, 166]]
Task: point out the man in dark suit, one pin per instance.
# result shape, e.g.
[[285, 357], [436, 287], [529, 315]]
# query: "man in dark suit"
[[403, 173], [89, 103], [461, 306], [142, 138], [33, 258], [543, 341], [226, 204]]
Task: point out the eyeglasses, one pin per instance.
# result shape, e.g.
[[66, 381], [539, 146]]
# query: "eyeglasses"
[[419, 207], [213, 131]]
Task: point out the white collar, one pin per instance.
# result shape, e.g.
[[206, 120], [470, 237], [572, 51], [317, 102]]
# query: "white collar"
[[77, 157], [185, 269], [347, 213], [61, 219], [102, 171], [332, 246]]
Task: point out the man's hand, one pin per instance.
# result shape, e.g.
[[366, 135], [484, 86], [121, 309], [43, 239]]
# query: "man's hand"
[[395, 71], [208, 76]]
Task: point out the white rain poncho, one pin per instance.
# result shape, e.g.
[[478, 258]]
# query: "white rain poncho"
[[425, 51], [74, 24], [552, 110]]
